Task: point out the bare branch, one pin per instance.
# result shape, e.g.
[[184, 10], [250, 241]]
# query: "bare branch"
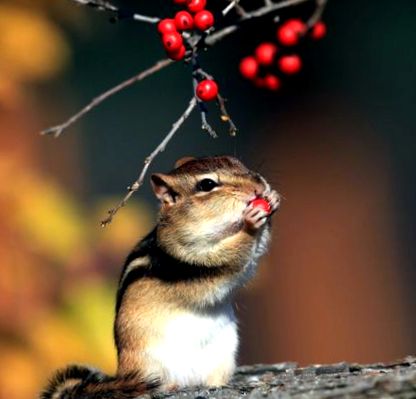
[[317, 15], [210, 40], [234, 4], [103, 5], [193, 41], [57, 130], [160, 148]]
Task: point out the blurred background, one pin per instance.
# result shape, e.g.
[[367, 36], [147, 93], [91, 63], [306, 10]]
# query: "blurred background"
[[337, 141]]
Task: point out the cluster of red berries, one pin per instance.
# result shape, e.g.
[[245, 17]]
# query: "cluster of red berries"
[[257, 68], [197, 17]]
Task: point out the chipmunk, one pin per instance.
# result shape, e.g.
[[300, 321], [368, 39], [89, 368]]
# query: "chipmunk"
[[175, 325]]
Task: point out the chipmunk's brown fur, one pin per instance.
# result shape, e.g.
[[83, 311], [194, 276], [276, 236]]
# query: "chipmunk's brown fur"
[[174, 320]]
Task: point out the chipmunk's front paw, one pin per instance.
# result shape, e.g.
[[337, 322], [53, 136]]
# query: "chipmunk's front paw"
[[254, 218], [273, 198]]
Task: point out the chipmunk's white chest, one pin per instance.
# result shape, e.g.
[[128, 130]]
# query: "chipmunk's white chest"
[[196, 348]]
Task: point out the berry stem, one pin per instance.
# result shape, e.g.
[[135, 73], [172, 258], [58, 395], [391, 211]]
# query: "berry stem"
[[202, 108], [225, 117]]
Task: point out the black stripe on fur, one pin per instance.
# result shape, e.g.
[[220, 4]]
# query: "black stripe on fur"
[[163, 267], [72, 372]]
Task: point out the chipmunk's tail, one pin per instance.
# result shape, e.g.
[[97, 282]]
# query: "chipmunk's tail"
[[79, 382]]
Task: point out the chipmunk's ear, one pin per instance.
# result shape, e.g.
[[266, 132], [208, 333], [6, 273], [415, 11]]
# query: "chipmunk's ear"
[[162, 189], [183, 161]]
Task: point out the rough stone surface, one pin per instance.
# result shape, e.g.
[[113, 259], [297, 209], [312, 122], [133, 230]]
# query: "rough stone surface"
[[286, 380]]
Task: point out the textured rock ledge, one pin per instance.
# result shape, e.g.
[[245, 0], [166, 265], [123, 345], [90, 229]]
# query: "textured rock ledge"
[[286, 380]]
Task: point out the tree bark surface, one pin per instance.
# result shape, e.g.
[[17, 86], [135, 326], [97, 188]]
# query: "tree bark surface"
[[341, 380]]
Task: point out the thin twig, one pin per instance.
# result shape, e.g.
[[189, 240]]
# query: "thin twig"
[[205, 125], [234, 4], [145, 18], [160, 148], [317, 14], [229, 7], [98, 4], [201, 72], [202, 108], [260, 12], [225, 117], [203, 111], [102, 5], [57, 130]]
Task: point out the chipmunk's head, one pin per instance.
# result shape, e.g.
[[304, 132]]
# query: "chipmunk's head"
[[202, 204]]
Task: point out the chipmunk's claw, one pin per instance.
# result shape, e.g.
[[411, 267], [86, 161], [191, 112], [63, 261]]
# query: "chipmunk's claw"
[[273, 198], [254, 218]]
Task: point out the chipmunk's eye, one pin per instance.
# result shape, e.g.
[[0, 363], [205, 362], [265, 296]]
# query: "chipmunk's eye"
[[206, 185]]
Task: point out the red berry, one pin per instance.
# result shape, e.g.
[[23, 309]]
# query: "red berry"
[[249, 67], [207, 90], [177, 55], [289, 33], [265, 53], [297, 25], [166, 25], [287, 36], [184, 20], [196, 5], [318, 31], [272, 82], [204, 20], [290, 64], [262, 204], [180, 1], [172, 41]]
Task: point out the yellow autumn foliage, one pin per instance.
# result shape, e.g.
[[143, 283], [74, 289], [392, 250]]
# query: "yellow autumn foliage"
[[46, 215], [19, 378], [31, 46], [82, 336], [90, 310], [50, 219]]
